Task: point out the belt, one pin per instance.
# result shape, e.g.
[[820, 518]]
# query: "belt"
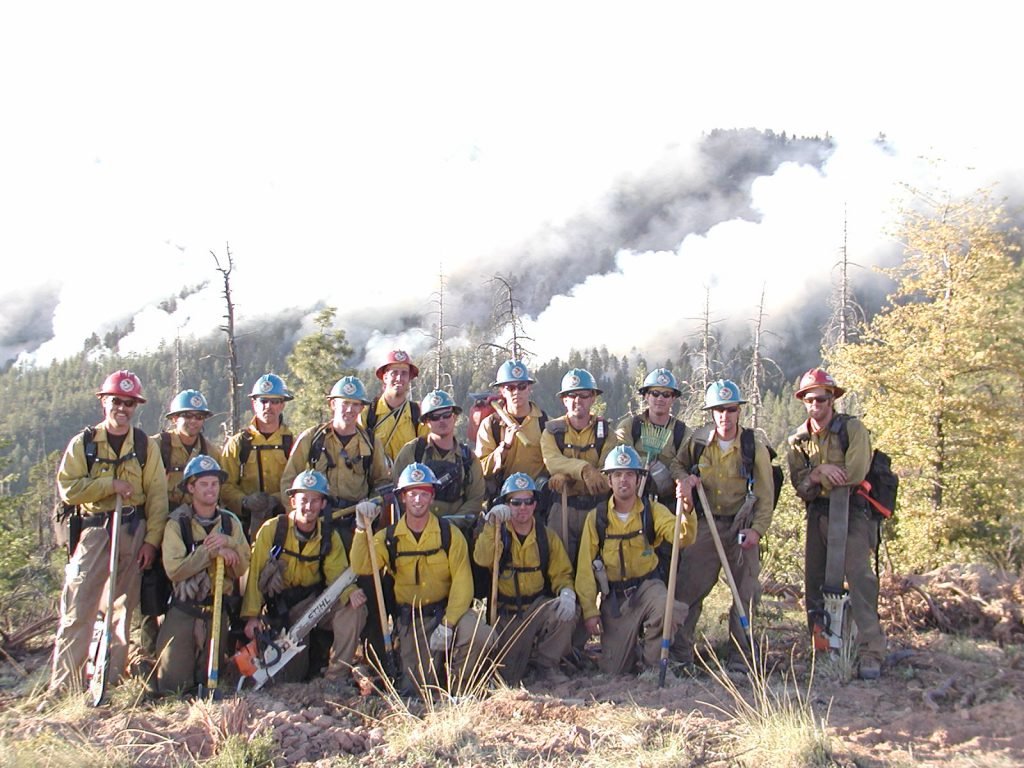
[[101, 518], [429, 610]]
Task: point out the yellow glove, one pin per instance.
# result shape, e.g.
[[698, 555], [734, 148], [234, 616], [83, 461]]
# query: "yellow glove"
[[595, 481], [558, 482]]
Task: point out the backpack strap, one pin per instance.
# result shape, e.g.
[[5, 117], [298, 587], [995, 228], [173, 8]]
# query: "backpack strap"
[[391, 542], [701, 439], [747, 448], [140, 449], [559, 427], [185, 525], [281, 530]]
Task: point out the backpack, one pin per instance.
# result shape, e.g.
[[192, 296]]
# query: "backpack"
[[326, 534], [316, 450], [165, 450], [881, 484], [391, 542], [558, 429], [454, 487], [245, 449], [702, 437], [68, 517]]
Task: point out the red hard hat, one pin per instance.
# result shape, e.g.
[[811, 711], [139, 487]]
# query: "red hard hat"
[[398, 356], [818, 378], [122, 384]]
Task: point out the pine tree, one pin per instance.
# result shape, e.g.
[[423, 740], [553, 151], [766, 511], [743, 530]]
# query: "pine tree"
[[939, 376], [315, 364]]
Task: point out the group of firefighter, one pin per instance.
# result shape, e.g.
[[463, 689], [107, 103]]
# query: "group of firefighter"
[[567, 528]]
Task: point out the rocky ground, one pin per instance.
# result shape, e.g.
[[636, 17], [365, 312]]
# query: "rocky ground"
[[950, 696]]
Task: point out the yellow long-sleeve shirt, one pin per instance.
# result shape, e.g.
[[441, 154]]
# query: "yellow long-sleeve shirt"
[[179, 456], [580, 450], [262, 470], [525, 555], [806, 450], [725, 486], [422, 579], [524, 455], [471, 489], [181, 564], [625, 558], [297, 573], [393, 428], [344, 482], [93, 490]]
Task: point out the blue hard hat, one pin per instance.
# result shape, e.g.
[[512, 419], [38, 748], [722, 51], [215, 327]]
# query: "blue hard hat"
[[436, 401], [416, 474], [349, 388], [309, 480], [518, 481], [512, 372], [198, 466], [270, 385], [623, 457], [660, 377], [576, 380], [188, 401], [722, 392]]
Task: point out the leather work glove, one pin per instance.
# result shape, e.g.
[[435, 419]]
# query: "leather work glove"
[[558, 481], [441, 638], [499, 513], [595, 481], [366, 512], [271, 581], [195, 588], [565, 608]]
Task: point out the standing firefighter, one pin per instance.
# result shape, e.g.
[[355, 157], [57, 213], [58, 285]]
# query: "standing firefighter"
[[102, 462], [618, 544], [393, 418], [575, 447], [536, 608], [429, 559], [460, 495], [177, 445], [294, 558], [196, 535], [658, 436], [508, 440], [736, 474], [828, 456], [255, 457]]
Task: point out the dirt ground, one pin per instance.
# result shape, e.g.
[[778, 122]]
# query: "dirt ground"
[[950, 695]]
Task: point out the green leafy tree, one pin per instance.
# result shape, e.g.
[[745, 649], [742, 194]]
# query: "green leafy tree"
[[316, 362], [938, 375]]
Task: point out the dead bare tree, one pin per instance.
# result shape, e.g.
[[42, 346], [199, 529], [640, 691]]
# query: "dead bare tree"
[[846, 314], [756, 371], [507, 317], [709, 349], [234, 385], [442, 380]]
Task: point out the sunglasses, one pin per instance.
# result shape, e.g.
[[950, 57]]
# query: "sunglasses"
[[193, 416], [818, 399], [660, 393], [129, 403], [269, 400], [521, 502], [438, 415], [579, 395], [726, 409], [516, 387]]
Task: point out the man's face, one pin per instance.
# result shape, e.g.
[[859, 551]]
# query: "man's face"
[[441, 422], [659, 401], [727, 419], [346, 412], [624, 483], [306, 509], [417, 499], [517, 395], [396, 381], [205, 490], [118, 411], [577, 404], [818, 403], [189, 423], [523, 506], [268, 410]]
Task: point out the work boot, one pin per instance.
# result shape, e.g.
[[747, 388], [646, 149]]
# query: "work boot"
[[869, 669]]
